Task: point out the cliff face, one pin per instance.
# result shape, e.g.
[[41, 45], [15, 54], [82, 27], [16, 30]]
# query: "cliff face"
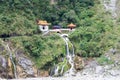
[[111, 7], [118, 7], [30, 56], [14, 63], [94, 34], [114, 7]]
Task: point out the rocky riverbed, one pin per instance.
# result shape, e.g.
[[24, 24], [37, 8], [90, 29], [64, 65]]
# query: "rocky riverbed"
[[92, 71], [100, 73]]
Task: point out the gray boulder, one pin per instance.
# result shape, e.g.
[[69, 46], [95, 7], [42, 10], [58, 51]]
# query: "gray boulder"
[[99, 70]]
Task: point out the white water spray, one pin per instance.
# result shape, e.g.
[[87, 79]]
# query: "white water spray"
[[56, 70], [69, 56]]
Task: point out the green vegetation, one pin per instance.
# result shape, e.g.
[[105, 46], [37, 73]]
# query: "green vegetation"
[[41, 49], [18, 17], [104, 60], [96, 32]]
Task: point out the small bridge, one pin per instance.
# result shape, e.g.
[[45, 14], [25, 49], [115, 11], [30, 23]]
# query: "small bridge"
[[62, 30]]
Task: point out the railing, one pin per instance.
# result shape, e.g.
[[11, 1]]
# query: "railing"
[[58, 31], [61, 30]]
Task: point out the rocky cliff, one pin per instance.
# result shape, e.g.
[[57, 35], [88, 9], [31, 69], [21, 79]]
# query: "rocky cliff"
[[14, 63]]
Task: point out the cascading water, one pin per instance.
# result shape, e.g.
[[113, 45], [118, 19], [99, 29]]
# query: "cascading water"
[[11, 57], [69, 56], [56, 70], [70, 59], [62, 69]]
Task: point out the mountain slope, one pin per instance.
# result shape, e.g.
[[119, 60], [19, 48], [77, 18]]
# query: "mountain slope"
[[95, 33]]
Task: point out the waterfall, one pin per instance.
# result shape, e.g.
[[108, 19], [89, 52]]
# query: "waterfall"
[[69, 55], [110, 5], [58, 70], [11, 57], [62, 69]]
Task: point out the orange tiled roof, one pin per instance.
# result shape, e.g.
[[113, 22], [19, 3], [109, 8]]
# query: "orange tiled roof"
[[41, 22], [71, 25]]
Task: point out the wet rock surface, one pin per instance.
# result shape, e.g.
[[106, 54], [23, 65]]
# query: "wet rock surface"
[[25, 68], [3, 71], [3, 62], [91, 71], [26, 65]]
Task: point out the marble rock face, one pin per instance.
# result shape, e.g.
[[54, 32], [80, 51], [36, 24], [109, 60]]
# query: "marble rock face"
[[25, 68]]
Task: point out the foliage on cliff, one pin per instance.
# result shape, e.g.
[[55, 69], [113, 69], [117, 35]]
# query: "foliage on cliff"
[[98, 35], [18, 17], [42, 50], [94, 35]]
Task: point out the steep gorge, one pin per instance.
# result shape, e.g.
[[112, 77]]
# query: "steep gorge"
[[36, 54]]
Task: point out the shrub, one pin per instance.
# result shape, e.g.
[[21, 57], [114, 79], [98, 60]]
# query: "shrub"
[[104, 60]]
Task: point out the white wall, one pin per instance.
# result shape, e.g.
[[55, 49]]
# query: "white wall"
[[43, 29]]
